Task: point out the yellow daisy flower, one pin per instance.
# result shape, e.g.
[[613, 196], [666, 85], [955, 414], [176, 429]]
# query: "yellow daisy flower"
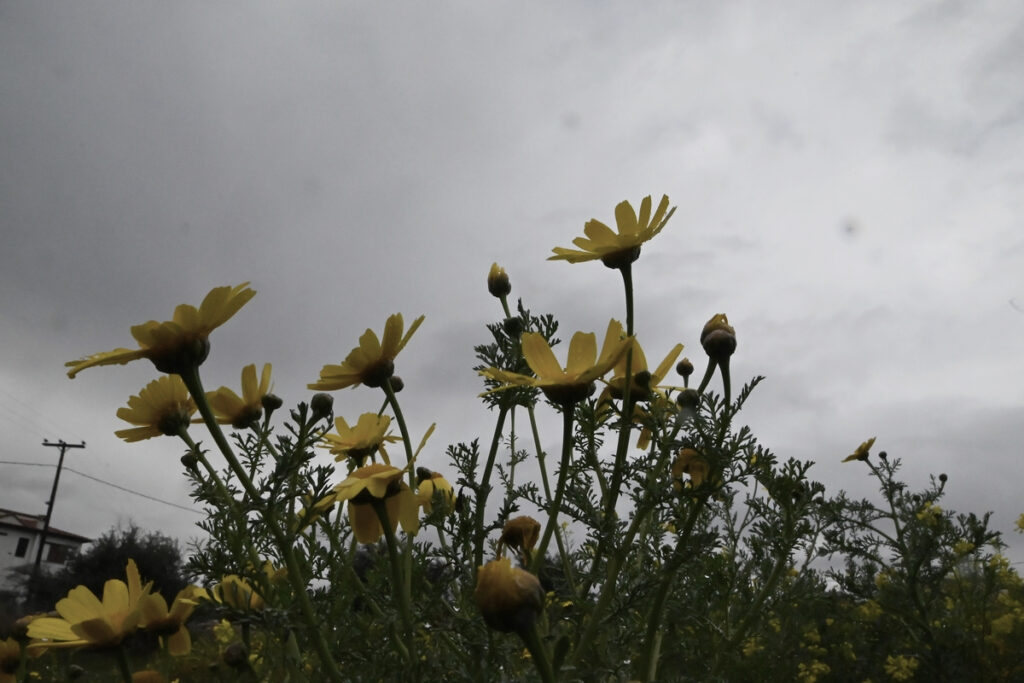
[[509, 598], [617, 250], [235, 592], [645, 383], [178, 344], [163, 407], [690, 462], [434, 487], [575, 382], [85, 620], [369, 435], [241, 412], [157, 618], [862, 452], [378, 481], [372, 362]]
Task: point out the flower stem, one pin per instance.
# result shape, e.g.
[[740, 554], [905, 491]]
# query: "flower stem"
[[398, 585], [122, 664], [563, 475], [485, 489], [195, 386], [539, 653]]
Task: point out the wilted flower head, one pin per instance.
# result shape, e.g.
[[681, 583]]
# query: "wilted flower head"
[[617, 250], [509, 598], [521, 533], [718, 338], [178, 344], [372, 362], [242, 412], [575, 382], [162, 407]]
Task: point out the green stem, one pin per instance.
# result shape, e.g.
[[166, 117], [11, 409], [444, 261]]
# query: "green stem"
[[539, 653], [570, 575], [563, 475], [652, 639], [284, 546], [485, 489], [398, 585], [407, 442], [123, 665]]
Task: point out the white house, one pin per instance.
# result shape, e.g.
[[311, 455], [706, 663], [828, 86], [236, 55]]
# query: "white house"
[[19, 540]]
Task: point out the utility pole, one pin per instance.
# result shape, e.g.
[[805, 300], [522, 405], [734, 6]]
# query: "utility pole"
[[49, 506]]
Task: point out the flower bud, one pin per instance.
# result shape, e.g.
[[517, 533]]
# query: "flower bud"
[[75, 672], [718, 338], [236, 655], [684, 368], [321, 406], [397, 384], [509, 598], [190, 460], [688, 398], [943, 478], [497, 282], [513, 327], [270, 403]]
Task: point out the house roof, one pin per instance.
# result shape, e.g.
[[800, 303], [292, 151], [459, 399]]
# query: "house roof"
[[34, 523]]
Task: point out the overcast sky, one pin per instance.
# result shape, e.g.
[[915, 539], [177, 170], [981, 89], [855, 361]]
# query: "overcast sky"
[[849, 180]]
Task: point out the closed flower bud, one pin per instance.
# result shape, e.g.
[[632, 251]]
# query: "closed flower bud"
[[190, 460], [497, 282], [397, 384], [688, 398], [513, 327], [509, 598], [718, 338], [321, 406], [684, 367], [270, 403], [236, 655], [943, 478]]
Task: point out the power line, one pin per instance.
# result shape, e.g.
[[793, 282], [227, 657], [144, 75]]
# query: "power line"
[[104, 482]]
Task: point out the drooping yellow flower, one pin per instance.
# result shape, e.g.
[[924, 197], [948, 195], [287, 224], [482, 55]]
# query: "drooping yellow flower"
[[576, 381], [862, 451], [434, 488], [162, 407], [369, 435], [85, 620], [157, 618], [509, 598], [374, 483], [178, 344], [372, 362], [241, 412], [10, 659], [617, 250]]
